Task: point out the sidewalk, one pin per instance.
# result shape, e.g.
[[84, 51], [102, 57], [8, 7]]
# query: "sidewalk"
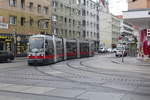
[[131, 61], [19, 59]]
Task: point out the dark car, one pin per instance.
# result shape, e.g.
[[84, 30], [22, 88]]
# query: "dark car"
[[6, 56]]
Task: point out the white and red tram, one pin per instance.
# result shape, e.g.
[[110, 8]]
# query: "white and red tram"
[[45, 49]]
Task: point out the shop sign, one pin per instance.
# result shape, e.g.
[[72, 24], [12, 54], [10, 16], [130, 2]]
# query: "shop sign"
[[3, 26], [4, 37]]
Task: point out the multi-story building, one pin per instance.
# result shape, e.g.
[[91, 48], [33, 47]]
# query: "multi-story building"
[[138, 14], [116, 28], [138, 4], [90, 21], [21, 18], [105, 26], [66, 18], [75, 19]]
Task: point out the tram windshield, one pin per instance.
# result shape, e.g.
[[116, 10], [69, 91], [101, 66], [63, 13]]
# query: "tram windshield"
[[36, 44]]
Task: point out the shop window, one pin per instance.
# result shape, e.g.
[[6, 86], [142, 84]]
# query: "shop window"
[[12, 20], [1, 46]]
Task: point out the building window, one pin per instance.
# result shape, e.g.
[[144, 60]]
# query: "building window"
[[22, 3], [12, 20], [84, 34], [65, 20], [45, 25], [84, 2], [45, 10], [69, 20], [73, 22], [62, 6], [66, 32], [62, 31], [12, 3], [54, 4], [31, 5], [1, 19], [31, 22], [39, 8], [22, 22], [83, 23], [83, 12]]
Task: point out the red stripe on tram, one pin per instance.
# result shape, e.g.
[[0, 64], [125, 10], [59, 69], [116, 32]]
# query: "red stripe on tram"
[[84, 53], [41, 57], [71, 54]]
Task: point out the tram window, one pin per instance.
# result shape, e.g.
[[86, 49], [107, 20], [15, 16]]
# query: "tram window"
[[59, 47], [71, 47], [49, 47]]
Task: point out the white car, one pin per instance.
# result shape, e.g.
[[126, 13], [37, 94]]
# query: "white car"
[[110, 50], [120, 51]]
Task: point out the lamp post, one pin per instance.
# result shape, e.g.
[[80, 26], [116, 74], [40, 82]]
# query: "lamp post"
[[14, 36]]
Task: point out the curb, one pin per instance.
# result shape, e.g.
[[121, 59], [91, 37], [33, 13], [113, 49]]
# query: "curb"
[[118, 62]]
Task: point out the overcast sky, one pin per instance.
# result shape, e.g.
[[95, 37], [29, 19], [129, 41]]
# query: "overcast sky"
[[117, 6]]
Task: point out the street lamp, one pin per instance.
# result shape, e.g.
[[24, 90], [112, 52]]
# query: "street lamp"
[[14, 36]]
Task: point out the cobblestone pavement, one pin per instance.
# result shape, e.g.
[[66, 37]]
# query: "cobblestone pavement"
[[93, 78]]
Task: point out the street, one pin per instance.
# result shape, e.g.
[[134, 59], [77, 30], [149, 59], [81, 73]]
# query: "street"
[[94, 78]]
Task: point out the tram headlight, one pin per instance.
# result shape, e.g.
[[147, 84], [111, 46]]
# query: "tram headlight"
[[30, 55], [41, 54]]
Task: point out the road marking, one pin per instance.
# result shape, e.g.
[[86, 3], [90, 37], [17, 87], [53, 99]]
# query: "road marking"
[[54, 72], [38, 90]]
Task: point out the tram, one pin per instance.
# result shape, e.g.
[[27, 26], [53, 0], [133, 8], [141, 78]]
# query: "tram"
[[46, 49]]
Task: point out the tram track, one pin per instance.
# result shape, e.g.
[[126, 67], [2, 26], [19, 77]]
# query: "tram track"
[[73, 75], [93, 84], [113, 77]]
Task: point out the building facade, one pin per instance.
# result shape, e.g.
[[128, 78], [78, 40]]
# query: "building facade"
[[66, 18], [90, 21], [142, 4], [116, 30], [20, 19], [105, 26], [76, 19], [138, 15]]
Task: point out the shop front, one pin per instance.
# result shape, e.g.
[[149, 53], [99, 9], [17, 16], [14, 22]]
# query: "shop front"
[[21, 45], [6, 42], [16, 44]]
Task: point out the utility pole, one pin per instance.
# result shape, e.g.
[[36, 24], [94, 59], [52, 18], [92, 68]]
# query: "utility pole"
[[14, 48]]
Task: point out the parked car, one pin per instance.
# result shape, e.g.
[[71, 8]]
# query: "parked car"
[[120, 52], [102, 50], [6, 56], [109, 50], [114, 50]]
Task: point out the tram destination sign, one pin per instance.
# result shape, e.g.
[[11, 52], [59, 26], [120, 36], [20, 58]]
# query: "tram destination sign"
[[3, 26]]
